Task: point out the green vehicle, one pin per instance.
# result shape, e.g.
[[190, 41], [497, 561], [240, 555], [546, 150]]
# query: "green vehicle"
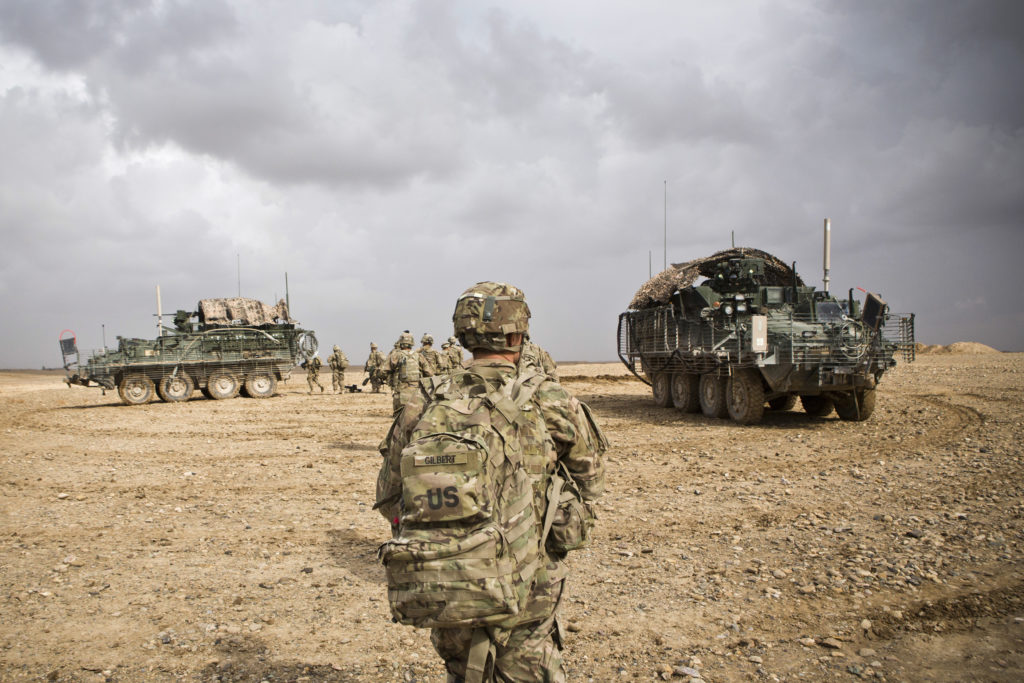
[[225, 347], [752, 335]]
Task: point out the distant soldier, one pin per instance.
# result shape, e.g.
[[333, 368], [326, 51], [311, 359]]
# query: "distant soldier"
[[454, 353], [392, 360], [338, 362], [533, 355], [405, 369], [437, 364], [446, 357], [313, 373], [375, 368]]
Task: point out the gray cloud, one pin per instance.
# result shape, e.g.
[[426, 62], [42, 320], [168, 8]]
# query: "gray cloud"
[[387, 154]]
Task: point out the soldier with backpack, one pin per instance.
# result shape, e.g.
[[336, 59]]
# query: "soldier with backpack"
[[487, 479], [405, 369]]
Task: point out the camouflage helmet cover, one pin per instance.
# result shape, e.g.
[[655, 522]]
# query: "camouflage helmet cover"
[[427, 339], [406, 340], [488, 311], [452, 340], [372, 345], [337, 348]]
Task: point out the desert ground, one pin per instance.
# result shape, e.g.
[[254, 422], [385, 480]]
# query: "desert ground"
[[234, 540]]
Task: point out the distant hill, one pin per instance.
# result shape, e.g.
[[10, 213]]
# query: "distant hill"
[[962, 348]]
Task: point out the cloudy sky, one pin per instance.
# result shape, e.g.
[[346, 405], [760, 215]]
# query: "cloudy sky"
[[388, 154]]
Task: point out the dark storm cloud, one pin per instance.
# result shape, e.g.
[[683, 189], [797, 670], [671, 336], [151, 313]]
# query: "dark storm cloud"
[[388, 154], [66, 34]]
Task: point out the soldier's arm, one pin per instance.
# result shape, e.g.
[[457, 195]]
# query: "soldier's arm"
[[389, 478], [578, 439], [425, 368]]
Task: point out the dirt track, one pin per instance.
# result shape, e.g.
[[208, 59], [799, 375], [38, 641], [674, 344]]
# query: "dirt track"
[[233, 540]]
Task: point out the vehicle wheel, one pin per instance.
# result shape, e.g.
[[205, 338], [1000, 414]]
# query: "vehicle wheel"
[[817, 406], [176, 387], [856, 407], [661, 386], [136, 390], [713, 395], [786, 402], [222, 385], [684, 392], [260, 385], [745, 397]]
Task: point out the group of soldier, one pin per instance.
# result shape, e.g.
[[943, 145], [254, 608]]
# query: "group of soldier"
[[403, 368]]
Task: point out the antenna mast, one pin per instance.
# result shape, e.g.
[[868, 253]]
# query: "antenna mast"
[[666, 225], [828, 253], [159, 315]]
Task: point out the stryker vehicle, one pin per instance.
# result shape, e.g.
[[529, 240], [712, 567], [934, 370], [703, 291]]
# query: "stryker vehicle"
[[752, 333], [226, 346]]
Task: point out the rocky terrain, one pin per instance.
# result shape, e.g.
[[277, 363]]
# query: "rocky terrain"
[[234, 540]]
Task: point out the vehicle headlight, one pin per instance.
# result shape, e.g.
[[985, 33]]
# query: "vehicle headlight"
[[741, 307], [728, 309]]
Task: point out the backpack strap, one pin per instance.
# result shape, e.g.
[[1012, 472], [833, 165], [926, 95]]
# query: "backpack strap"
[[554, 493], [481, 650]]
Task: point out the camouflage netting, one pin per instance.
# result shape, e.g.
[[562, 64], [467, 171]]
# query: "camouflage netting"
[[242, 311], [659, 288]]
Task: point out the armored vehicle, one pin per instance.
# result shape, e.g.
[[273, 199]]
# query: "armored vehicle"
[[752, 333], [225, 346]]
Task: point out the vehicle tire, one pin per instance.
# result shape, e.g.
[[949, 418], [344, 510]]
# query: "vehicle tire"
[[135, 390], [221, 385], [176, 387], [745, 397], [685, 396], [787, 402], [713, 395], [260, 385], [856, 407], [661, 386], [817, 406]]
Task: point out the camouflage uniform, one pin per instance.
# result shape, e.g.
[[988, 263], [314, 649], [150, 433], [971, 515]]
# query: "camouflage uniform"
[[313, 373], [405, 369], [375, 368], [438, 365], [534, 356], [454, 353], [558, 429], [338, 362]]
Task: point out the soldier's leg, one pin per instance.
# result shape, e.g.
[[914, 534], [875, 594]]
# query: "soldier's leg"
[[453, 646], [533, 653], [534, 650]]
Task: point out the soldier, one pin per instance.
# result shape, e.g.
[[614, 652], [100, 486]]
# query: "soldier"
[[433, 356], [375, 368], [313, 373], [454, 353], [537, 357], [446, 359], [405, 369], [338, 361], [392, 360], [552, 431]]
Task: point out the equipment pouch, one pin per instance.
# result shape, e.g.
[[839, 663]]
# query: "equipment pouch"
[[570, 522]]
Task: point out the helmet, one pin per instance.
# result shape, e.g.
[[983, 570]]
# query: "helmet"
[[336, 348], [452, 340], [372, 345], [427, 339], [405, 340], [488, 311]]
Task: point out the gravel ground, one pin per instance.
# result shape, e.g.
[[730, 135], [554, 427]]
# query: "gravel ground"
[[234, 540]]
